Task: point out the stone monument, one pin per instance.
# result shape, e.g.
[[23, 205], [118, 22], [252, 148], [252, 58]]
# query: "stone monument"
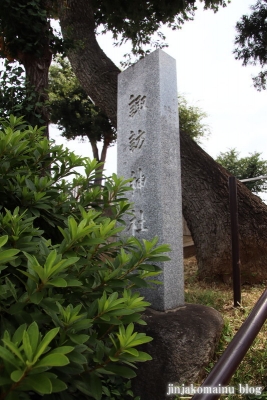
[[184, 335], [149, 152]]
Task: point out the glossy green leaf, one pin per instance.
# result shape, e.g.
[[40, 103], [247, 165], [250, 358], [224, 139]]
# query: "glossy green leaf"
[[8, 255], [120, 370], [50, 262], [30, 276], [33, 332], [45, 342], [58, 282], [80, 325], [58, 385], [11, 287], [14, 349], [39, 383], [142, 356], [6, 355], [139, 282], [17, 337], [52, 360], [78, 358], [62, 350], [27, 346], [79, 339], [17, 375], [36, 297], [73, 282], [131, 351], [63, 264], [3, 240], [35, 266]]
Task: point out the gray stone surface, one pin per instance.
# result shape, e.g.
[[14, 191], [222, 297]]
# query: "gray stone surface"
[[149, 152], [183, 344]]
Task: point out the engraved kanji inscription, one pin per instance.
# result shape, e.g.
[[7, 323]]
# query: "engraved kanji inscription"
[[139, 180], [136, 104], [133, 226], [136, 140], [137, 223]]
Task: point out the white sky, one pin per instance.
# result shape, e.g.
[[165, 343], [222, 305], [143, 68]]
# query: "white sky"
[[209, 77]]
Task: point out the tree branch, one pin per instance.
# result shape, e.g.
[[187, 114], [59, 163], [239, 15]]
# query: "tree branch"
[[95, 71]]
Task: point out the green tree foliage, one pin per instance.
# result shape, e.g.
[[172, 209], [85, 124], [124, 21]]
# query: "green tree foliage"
[[25, 25], [74, 112], [139, 21], [17, 97], [27, 35], [251, 41], [13, 91], [245, 167], [68, 312], [191, 120], [25, 28]]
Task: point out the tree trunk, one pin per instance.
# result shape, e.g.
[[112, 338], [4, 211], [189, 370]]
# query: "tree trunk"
[[206, 210], [99, 171], [37, 76], [106, 143], [94, 147], [37, 69], [204, 182], [95, 71]]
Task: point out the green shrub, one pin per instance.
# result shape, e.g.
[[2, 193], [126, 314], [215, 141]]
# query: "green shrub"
[[67, 308]]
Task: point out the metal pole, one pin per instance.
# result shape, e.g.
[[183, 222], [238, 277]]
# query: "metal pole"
[[235, 241], [228, 363]]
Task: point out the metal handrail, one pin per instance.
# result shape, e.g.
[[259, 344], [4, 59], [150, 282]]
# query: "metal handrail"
[[254, 179], [228, 363]]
